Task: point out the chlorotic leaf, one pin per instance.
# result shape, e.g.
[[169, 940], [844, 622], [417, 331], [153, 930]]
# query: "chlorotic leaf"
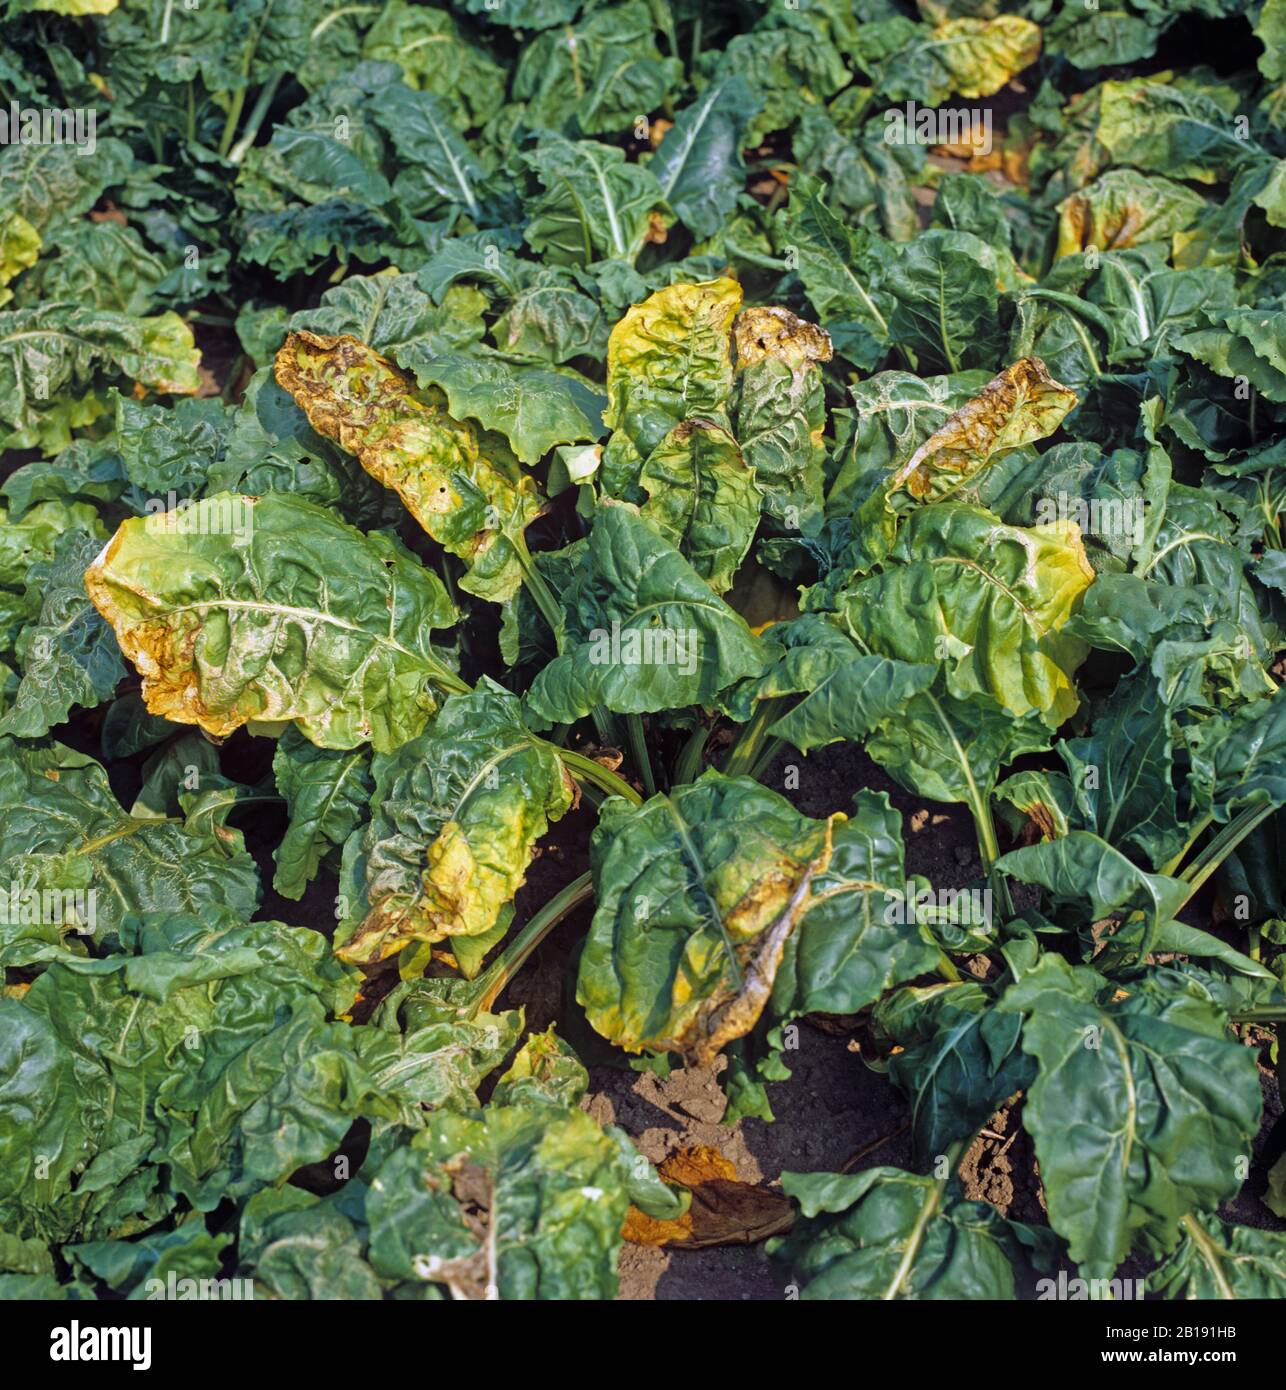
[[267, 609], [457, 813]]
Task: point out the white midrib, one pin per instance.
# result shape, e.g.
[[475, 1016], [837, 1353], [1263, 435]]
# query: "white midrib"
[[686, 148], [618, 241], [310, 615], [460, 178]]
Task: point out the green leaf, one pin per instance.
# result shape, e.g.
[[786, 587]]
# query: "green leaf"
[[853, 700], [699, 164], [274, 609], [168, 451], [868, 179], [844, 272], [1088, 872], [66, 831], [957, 1060], [594, 206], [856, 939], [951, 749], [297, 1246], [273, 448], [1243, 343], [802, 653], [69, 655], [1270, 30], [436, 163], [435, 56], [129, 1266], [946, 313], [1100, 38], [86, 470], [1123, 775], [391, 313], [648, 633], [553, 323], [99, 265], [603, 71], [523, 14], [534, 408], [1139, 1109], [53, 356], [187, 763], [52, 184], [1237, 760], [702, 498], [791, 66], [328, 792], [885, 1233], [1216, 1259]]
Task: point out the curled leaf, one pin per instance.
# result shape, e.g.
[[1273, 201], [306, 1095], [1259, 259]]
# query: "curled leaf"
[[469, 498], [1018, 406], [724, 1210], [771, 331]]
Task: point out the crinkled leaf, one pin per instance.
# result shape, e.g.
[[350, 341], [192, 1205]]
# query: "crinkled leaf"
[[69, 655], [1139, 1109], [885, 1233], [456, 815], [328, 793], [856, 939], [66, 830], [702, 498], [697, 895], [649, 633], [274, 609], [956, 1059], [533, 407]]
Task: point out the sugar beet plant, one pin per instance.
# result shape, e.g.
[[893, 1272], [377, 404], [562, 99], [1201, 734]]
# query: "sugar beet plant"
[[423, 420]]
